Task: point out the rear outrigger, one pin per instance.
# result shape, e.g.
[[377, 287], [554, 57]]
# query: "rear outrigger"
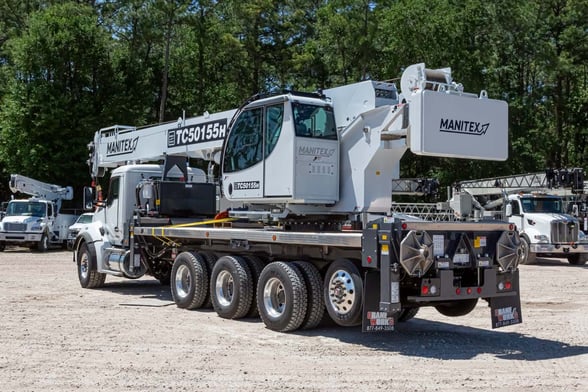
[[293, 216]]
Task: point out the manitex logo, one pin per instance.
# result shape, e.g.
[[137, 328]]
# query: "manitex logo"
[[463, 127], [316, 151], [121, 147], [197, 133]]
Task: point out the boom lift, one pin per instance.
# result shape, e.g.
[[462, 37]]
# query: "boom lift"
[[307, 180], [536, 204], [36, 222]]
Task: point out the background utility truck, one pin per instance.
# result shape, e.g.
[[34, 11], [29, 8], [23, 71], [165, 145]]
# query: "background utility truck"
[[536, 204], [307, 179], [36, 222]]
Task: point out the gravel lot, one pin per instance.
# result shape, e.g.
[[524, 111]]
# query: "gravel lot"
[[129, 336]]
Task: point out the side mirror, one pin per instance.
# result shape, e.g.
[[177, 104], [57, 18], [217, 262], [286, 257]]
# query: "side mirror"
[[88, 198], [508, 210]]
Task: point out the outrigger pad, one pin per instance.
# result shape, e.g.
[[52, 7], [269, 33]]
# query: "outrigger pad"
[[506, 311]]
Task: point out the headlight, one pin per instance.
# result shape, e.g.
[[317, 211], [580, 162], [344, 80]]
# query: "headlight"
[[36, 228], [542, 238]]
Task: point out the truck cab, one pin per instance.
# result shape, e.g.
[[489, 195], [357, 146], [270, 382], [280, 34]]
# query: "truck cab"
[[545, 229]]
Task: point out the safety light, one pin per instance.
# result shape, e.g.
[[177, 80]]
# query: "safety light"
[[469, 290], [458, 291]]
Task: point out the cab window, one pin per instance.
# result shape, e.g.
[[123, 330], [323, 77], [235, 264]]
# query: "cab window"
[[113, 190], [244, 145], [314, 121]]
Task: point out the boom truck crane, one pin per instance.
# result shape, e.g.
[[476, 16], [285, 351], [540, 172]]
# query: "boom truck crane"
[[536, 204], [299, 221], [37, 222]]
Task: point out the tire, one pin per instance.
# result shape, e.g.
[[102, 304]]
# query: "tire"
[[189, 280], [528, 257], [2, 247], [87, 263], [210, 259], [407, 314], [43, 245], [458, 308], [315, 304], [578, 259], [231, 287], [282, 297], [255, 266], [343, 290]]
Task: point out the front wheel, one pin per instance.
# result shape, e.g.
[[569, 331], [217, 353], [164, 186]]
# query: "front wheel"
[[457, 308], [43, 245], [89, 277], [528, 256], [343, 292]]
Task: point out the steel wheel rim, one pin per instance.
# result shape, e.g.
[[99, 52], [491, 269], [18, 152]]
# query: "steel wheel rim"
[[274, 298], [224, 288], [84, 266], [183, 281], [342, 291]]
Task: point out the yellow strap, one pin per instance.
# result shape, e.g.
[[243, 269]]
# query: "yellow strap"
[[207, 222]]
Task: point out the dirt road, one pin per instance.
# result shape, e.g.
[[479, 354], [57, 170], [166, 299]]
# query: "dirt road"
[[129, 336]]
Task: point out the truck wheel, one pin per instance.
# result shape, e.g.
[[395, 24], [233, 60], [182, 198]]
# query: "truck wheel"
[[407, 314], [43, 245], [2, 247], [315, 305], [231, 287], [528, 256], [343, 292], [578, 259], [255, 266], [189, 280], [87, 274], [457, 308], [210, 259], [281, 297]]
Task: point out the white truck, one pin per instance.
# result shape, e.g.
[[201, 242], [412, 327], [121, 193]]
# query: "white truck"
[[536, 204], [36, 222], [296, 218]]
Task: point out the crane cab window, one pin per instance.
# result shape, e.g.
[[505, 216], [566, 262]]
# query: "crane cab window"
[[314, 121]]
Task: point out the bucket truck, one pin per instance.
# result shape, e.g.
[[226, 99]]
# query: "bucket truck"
[[293, 217], [36, 222]]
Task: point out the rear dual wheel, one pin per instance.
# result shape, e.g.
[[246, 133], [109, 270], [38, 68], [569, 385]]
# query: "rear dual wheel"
[[189, 280], [343, 293]]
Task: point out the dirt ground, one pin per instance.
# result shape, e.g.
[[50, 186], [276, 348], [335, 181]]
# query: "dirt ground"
[[130, 336]]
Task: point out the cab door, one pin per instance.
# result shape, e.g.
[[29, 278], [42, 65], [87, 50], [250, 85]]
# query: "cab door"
[[114, 226]]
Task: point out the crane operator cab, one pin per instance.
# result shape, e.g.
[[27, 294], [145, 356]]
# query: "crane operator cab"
[[283, 149]]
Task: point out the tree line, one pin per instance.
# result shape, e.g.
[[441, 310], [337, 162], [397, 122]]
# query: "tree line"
[[68, 68]]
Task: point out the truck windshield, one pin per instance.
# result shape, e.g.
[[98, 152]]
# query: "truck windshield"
[[30, 208], [545, 204]]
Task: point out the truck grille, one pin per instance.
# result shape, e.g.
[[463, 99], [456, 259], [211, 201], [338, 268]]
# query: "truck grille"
[[15, 226], [564, 232]]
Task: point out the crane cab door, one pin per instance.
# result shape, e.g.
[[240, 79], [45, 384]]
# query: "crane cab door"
[[251, 167]]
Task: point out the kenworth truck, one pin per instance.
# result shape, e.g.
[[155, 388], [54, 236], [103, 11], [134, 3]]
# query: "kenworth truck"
[[293, 216], [37, 222], [536, 204]]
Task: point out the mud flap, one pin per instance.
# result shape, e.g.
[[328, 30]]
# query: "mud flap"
[[373, 319], [506, 311]]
